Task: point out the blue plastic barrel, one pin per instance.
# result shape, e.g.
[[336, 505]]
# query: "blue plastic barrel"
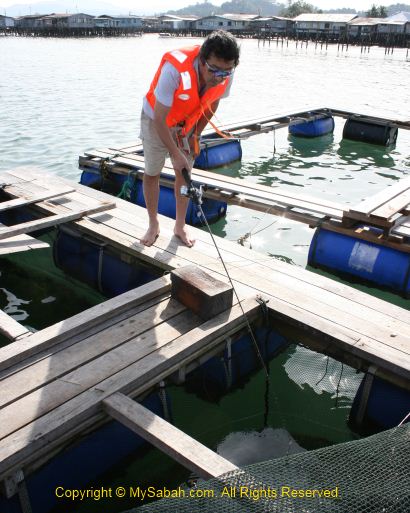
[[378, 264], [91, 178], [129, 187], [219, 155], [212, 379], [381, 404], [212, 209], [124, 186], [313, 128], [97, 264]]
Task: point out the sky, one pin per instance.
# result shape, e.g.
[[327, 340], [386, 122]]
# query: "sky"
[[165, 5]]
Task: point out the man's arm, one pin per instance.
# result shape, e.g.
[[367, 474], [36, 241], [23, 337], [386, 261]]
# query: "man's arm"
[[201, 124], [179, 160]]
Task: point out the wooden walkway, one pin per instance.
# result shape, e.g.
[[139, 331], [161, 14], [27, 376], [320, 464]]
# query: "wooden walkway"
[[64, 379]]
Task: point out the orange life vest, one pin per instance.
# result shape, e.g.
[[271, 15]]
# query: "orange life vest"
[[187, 106]]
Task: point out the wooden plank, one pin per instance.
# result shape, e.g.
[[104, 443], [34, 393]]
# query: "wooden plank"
[[167, 438], [60, 363], [332, 313], [387, 195], [392, 240], [24, 201], [335, 338], [21, 243], [364, 319], [10, 328], [54, 220], [256, 191], [394, 206], [231, 184], [134, 347], [73, 416], [92, 317]]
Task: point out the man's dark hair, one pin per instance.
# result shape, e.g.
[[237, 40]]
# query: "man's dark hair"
[[222, 44]]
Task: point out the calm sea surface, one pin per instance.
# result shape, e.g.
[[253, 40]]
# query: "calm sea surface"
[[60, 97]]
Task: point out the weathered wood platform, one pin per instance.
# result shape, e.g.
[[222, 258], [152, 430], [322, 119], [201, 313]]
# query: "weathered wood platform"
[[58, 382]]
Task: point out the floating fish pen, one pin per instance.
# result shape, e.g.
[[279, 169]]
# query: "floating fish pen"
[[84, 388], [364, 241]]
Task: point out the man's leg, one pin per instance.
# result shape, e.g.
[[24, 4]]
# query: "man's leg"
[[151, 195], [180, 229], [154, 157]]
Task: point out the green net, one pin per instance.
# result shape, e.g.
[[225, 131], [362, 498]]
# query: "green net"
[[371, 475]]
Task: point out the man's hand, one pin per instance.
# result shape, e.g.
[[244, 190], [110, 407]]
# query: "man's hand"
[[180, 161]]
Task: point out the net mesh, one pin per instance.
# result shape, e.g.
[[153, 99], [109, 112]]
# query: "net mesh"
[[371, 475]]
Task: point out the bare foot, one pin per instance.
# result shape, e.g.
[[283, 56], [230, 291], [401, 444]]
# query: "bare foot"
[[184, 236], [151, 235]]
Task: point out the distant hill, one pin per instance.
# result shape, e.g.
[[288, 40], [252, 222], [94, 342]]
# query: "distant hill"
[[261, 7], [343, 10], [265, 8], [203, 9], [392, 9]]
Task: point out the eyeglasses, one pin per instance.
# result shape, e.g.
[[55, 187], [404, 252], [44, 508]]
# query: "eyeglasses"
[[217, 72]]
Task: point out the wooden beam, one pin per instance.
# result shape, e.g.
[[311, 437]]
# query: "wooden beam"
[[380, 208], [24, 201], [21, 243], [42, 340], [167, 438], [54, 220], [10, 328]]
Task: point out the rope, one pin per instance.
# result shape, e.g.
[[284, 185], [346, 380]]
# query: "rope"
[[248, 235], [127, 186]]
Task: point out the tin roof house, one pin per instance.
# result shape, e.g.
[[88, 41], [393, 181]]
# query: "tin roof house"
[[398, 23], [275, 24], [29, 21], [363, 27], [172, 22], [124, 22], [313, 23], [77, 20], [6, 21], [232, 22]]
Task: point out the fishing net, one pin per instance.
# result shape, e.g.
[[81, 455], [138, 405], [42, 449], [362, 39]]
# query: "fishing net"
[[371, 475]]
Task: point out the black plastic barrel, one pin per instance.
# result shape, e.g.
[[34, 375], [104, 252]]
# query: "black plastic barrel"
[[374, 133]]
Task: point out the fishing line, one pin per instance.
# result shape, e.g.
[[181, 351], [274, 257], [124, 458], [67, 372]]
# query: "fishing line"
[[196, 195]]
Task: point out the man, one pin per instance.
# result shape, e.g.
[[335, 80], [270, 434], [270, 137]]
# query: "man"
[[183, 96]]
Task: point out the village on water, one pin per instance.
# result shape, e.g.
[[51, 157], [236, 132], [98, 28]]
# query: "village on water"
[[394, 29]]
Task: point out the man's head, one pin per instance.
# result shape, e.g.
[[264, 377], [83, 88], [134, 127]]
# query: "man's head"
[[219, 55]]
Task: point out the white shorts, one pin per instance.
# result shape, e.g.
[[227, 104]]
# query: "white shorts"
[[155, 151]]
